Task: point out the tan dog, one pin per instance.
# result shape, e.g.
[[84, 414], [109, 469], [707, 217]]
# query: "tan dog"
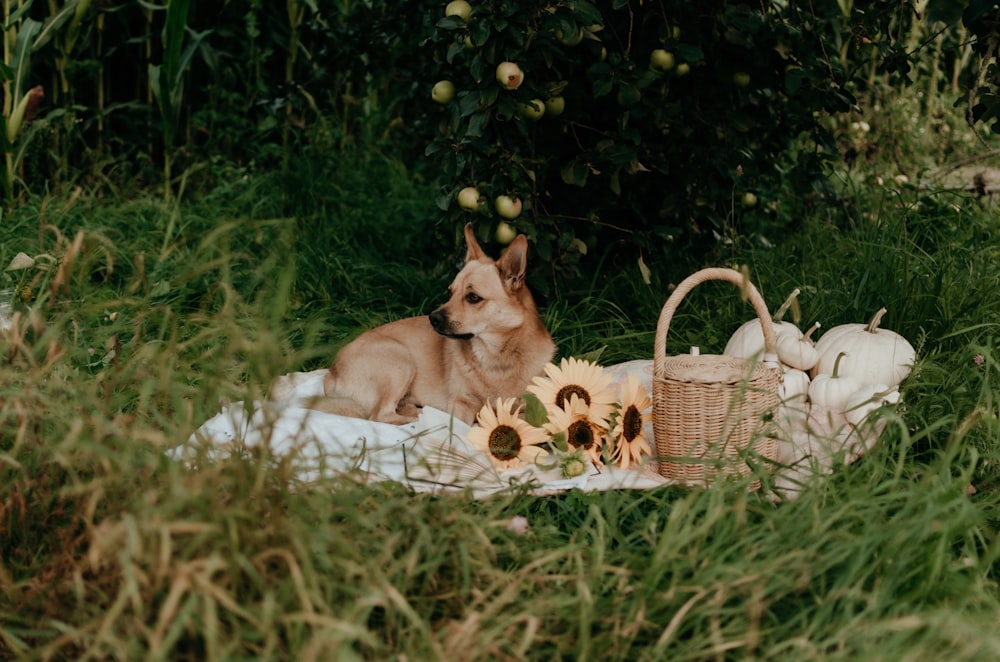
[[487, 341]]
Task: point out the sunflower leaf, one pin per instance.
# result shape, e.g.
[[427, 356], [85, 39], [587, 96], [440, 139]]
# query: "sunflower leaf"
[[534, 410], [547, 466]]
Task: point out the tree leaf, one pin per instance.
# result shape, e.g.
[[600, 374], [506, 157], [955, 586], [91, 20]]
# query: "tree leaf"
[[644, 271]]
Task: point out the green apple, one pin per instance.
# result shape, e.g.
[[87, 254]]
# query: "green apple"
[[509, 75], [443, 91], [628, 96], [505, 233], [683, 69], [749, 199], [661, 60], [459, 8], [741, 78], [532, 110], [468, 198], [571, 40], [508, 207], [555, 106]]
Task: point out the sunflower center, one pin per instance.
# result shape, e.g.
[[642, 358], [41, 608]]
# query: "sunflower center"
[[631, 423], [505, 442], [580, 435], [562, 397]]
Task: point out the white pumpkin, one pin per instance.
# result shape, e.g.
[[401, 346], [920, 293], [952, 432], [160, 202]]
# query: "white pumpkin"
[[832, 390], [867, 399], [748, 340], [794, 385], [798, 353], [874, 355]]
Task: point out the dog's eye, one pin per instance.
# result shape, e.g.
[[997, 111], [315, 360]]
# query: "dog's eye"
[[472, 297]]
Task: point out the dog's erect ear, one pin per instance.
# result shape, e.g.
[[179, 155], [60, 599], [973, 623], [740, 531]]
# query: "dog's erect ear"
[[513, 263], [473, 251]]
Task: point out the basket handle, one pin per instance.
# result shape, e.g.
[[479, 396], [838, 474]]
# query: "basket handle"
[[715, 273]]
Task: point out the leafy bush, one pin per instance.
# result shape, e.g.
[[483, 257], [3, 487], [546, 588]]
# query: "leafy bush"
[[658, 154]]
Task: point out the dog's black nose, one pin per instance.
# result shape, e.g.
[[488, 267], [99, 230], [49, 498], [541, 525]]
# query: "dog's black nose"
[[439, 321]]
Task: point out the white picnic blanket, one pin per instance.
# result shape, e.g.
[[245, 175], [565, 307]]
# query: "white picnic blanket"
[[432, 454]]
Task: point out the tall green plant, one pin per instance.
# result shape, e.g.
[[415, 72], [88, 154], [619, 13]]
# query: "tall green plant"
[[22, 36], [74, 12], [18, 39], [296, 18], [166, 80]]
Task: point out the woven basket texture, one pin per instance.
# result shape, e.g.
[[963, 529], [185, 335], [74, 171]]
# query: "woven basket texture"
[[711, 412]]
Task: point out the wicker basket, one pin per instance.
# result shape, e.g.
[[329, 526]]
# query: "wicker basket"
[[708, 410]]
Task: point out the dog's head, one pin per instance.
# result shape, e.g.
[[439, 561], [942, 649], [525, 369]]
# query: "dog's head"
[[486, 297]]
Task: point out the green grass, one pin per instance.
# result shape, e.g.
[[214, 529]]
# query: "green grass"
[[108, 550]]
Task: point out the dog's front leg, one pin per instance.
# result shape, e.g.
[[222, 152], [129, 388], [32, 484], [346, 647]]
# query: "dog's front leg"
[[395, 403]]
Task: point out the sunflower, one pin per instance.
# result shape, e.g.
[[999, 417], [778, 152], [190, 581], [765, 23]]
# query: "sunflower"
[[509, 441], [582, 432], [575, 377], [628, 433]]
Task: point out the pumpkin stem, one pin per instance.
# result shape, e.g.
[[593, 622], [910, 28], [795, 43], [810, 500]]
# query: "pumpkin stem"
[[785, 306], [805, 336], [876, 320], [836, 364]]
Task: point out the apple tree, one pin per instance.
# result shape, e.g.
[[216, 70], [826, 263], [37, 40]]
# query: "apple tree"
[[641, 129]]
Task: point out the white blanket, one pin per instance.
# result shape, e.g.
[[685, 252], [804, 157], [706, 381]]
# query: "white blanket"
[[432, 454]]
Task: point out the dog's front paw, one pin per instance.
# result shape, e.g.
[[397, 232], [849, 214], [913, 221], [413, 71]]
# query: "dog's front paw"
[[408, 412]]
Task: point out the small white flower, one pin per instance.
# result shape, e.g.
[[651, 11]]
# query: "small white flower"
[[518, 524]]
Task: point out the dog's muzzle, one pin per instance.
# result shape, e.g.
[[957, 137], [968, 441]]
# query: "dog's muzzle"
[[441, 324]]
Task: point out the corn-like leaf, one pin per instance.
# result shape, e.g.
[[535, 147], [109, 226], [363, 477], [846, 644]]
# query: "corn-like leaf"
[[55, 22], [177, 84], [16, 117], [173, 39], [166, 81], [20, 60], [16, 15]]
